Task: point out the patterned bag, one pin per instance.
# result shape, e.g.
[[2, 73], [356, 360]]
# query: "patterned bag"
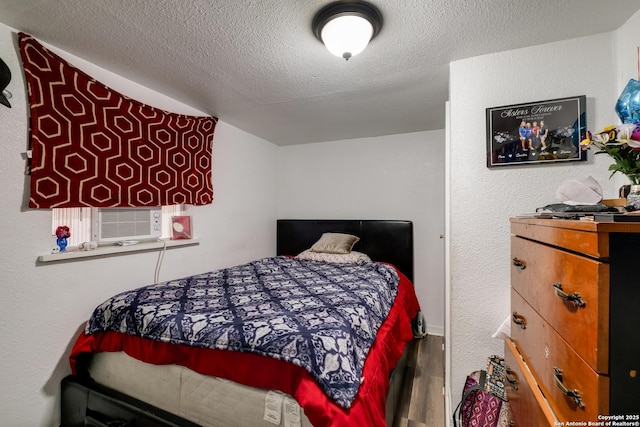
[[483, 402]]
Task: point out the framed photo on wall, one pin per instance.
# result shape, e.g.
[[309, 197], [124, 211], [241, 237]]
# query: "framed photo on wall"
[[536, 132]]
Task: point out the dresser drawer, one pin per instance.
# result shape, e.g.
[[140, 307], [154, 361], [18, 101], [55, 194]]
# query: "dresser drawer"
[[578, 236], [528, 406], [544, 351], [541, 274]]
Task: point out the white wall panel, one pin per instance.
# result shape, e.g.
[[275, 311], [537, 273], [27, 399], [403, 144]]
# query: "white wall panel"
[[386, 177]]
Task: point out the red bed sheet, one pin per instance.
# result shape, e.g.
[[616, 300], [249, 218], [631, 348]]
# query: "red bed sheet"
[[368, 408]]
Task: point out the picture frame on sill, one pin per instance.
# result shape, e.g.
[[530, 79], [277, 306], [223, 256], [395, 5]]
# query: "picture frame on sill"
[[536, 132], [181, 227]]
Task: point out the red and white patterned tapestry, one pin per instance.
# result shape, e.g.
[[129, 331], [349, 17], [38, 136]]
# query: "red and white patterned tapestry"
[[92, 146]]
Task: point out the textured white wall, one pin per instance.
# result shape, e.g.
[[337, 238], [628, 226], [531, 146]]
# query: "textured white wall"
[[627, 39], [387, 177], [42, 307], [482, 200]]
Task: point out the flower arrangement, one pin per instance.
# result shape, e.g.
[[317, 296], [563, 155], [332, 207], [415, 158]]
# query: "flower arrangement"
[[622, 143]]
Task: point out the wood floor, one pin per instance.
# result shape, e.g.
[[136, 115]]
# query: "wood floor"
[[422, 400]]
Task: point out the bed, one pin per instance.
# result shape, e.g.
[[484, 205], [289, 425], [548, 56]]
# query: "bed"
[[123, 377]]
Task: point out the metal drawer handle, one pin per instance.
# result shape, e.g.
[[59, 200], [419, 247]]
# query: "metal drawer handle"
[[575, 298], [519, 263], [519, 320], [511, 379], [574, 394]]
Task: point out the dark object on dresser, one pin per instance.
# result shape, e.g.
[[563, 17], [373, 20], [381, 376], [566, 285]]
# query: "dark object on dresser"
[[590, 209]]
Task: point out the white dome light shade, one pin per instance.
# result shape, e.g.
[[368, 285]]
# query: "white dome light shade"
[[346, 26], [346, 36]]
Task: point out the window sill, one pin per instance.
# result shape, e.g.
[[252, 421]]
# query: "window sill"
[[75, 254]]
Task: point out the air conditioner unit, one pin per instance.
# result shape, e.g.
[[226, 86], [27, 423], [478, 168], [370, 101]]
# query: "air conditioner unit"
[[119, 224]]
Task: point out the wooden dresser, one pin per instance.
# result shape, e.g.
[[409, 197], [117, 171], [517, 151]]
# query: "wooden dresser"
[[574, 352]]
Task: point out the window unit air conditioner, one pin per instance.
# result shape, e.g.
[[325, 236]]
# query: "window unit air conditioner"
[[111, 225]]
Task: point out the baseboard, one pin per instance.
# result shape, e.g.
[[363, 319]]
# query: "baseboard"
[[435, 330]]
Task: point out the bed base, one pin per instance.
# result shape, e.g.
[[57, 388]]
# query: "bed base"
[[85, 403]]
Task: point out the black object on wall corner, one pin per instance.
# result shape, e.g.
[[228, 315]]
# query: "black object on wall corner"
[[5, 78]]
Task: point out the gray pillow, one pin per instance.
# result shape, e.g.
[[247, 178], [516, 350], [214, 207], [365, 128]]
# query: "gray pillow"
[[335, 243]]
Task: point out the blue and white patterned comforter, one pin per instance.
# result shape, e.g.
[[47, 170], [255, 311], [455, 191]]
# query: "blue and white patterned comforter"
[[320, 316]]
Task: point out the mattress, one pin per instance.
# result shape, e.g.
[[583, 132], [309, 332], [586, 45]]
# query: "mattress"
[[206, 400], [180, 391], [245, 367], [173, 388]]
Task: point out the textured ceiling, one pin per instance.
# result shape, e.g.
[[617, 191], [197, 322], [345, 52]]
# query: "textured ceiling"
[[256, 64]]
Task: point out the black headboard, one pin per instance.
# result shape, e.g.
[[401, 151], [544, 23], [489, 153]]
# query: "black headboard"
[[383, 240]]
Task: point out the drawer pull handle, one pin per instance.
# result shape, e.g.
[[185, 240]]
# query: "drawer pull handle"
[[519, 320], [511, 379], [575, 298], [519, 263], [574, 394]]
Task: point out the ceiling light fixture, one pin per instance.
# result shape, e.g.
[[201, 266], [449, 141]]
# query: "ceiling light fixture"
[[346, 27]]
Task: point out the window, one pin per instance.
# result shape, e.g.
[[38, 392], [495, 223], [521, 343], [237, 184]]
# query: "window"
[[80, 222]]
